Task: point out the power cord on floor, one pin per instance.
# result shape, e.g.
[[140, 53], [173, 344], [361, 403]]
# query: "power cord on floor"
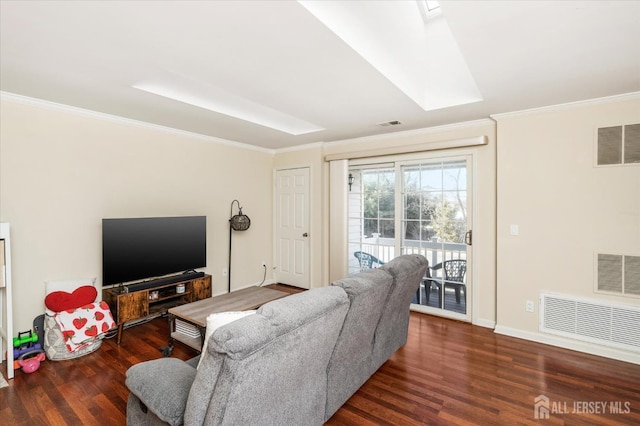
[[264, 277]]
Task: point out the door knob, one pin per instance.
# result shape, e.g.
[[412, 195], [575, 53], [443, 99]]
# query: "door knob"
[[306, 234]]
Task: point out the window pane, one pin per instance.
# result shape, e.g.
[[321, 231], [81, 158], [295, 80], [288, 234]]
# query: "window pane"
[[457, 203], [370, 206], [376, 202], [431, 178], [411, 182], [387, 229], [370, 179], [455, 176], [370, 227], [427, 231], [412, 230], [429, 202], [387, 181], [386, 205], [412, 206]]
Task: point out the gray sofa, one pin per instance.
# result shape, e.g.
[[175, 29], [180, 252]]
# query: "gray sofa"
[[295, 362]]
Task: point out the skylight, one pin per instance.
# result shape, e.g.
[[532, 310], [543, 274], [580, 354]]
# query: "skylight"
[[429, 9], [422, 60]]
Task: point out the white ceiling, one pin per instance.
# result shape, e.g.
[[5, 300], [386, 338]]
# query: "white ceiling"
[[282, 58]]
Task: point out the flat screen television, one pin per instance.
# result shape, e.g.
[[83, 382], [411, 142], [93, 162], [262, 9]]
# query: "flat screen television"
[[152, 247]]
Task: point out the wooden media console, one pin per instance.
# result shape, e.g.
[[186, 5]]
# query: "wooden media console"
[[153, 301]]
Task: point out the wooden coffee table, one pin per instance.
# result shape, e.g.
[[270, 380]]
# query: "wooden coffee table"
[[196, 313]]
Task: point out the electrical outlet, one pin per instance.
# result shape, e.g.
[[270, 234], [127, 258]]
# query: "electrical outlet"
[[224, 272], [529, 306]]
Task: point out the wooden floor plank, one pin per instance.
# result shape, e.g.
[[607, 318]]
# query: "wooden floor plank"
[[449, 373]]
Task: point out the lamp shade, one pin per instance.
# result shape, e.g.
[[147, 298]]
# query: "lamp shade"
[[240, 222]]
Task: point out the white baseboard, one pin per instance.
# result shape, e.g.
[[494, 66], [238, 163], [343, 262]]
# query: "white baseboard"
[[571, 344], [481, 322]]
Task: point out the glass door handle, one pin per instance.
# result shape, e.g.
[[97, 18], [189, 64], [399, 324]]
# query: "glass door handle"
[[468, 238]]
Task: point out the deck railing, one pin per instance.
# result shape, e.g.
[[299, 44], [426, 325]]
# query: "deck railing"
[[384, 249]]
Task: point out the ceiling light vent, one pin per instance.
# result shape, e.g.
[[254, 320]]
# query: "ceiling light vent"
[[390, 123]]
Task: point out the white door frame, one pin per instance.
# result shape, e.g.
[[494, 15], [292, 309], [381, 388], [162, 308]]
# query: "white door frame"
[[302, 280]]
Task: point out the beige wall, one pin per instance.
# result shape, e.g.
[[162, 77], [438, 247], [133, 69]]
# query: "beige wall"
[[566, 208], [62, 172]]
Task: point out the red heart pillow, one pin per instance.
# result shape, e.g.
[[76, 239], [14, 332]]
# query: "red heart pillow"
[[59, 301]]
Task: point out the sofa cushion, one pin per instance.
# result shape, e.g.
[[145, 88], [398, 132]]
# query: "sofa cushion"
[[163, 386], [407, 272], [271, 367], [351, 362], [215, 321]]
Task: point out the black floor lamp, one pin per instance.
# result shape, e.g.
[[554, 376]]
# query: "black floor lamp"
[[239, 222]]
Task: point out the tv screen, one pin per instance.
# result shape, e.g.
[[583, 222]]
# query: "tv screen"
[[151, 247]]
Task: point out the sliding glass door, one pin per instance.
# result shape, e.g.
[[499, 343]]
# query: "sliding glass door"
[[372, 216], [419, 206]]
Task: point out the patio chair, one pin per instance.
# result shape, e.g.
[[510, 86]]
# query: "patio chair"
[[453, 276], [367, 261]]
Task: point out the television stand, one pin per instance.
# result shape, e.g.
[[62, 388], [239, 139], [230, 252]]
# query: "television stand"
[[155, 299]]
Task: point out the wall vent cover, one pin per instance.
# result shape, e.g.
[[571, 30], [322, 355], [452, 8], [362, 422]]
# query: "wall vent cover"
[[618, 145], [617, 273], [595, 321], [610, 145], [632, 143], [390, 123]]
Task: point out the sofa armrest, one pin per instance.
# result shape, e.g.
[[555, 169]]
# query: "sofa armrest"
[[162, 385]]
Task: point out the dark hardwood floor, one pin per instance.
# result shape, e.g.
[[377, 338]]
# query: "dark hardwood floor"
[[448, 373], [451, 372]]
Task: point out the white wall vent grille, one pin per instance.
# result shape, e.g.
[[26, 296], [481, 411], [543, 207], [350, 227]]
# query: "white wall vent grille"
[[594, 321]]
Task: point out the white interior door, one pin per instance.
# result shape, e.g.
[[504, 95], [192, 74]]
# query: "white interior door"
[[292, 239]]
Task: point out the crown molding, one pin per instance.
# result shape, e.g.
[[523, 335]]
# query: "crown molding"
[[566, 106], [302, 147], [54, 106]]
